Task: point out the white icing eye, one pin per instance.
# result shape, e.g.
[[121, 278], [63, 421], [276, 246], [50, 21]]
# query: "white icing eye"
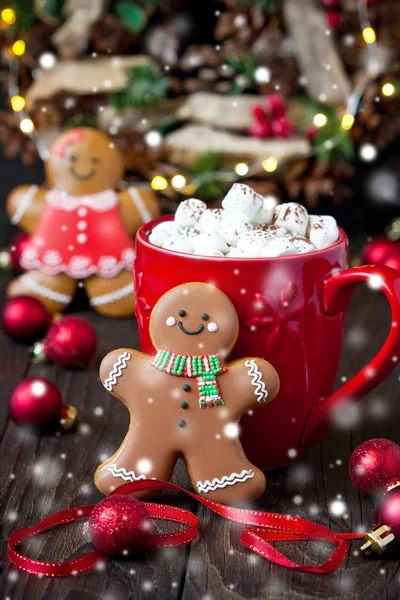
[[170, 322], [212, 327]]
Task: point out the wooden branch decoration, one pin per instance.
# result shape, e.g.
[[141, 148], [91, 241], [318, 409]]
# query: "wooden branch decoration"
[[314, 49]]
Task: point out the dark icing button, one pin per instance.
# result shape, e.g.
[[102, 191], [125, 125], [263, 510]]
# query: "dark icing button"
[[184, 404], [186, 387], [181, 423]]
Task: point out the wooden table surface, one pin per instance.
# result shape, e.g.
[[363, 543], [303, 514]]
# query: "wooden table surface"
[[40, 475]]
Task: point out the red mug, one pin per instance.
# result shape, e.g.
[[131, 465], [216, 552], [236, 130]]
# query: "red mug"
[[291, 312]]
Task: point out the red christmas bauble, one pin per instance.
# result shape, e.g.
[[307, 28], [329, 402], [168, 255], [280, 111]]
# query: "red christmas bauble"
[[276, 105], [70, 342], [120, 524], [389, 511], [16, 248], [393, 260], [260, 129], [376, 251], [333, 19], [282, 128], [25, 319], [375, 466], [36, 404]]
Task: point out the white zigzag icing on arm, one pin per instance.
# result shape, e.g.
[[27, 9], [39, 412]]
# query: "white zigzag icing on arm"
[[124, 474], [254, 372], [211, 486], [116, 371]]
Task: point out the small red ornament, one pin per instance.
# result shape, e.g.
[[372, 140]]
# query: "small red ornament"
[[389, 511], [25, 319], [70, 342], [36, 404], [276, 105], [382, 251], [260, 129], [120, 525], [16, 248], [282, 128], [375, 466], [333, 19]]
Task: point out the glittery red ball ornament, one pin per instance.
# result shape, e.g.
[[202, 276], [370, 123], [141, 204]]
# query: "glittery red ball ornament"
[[25, 319], [36, 403], [375, 466], [378, 250], [120, 525], [16, 248], [389, 511], [70, 342]]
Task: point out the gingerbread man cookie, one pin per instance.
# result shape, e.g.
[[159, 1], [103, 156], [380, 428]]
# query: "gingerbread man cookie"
[[186, 402], [81, 227]]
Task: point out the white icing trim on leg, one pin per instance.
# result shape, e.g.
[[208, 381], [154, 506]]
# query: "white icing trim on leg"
[[23, 204], [116, 371], [31, 284], [124, 474], [112, 296], [140, 205], [210, 486], [254, 372]]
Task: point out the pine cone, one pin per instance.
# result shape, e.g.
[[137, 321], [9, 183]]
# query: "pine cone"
[[37, 41], [111, 37]]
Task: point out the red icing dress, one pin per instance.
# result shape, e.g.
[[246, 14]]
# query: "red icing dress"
[[80, 236]]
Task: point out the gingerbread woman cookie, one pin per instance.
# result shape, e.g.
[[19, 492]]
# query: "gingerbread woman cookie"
[[186, 401], [81, 227]]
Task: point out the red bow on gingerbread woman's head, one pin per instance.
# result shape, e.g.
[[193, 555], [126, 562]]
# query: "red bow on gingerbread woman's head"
[[84, 161]]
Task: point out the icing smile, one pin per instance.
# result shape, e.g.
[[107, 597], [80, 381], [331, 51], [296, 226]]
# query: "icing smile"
[[84, 177], [194, 332]]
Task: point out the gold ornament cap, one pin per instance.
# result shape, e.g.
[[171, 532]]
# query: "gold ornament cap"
[[69, 418], [378, 540]]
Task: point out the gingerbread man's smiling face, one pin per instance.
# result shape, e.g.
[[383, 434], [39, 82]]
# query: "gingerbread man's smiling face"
[[84, 161], [194, 319]]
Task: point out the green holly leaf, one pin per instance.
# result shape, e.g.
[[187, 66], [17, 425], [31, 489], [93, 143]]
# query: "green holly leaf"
[[24, 12], [146, 86], [205, 175], [131, 15]]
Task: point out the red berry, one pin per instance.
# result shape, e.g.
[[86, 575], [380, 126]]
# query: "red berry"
[[282, 128], [276, 105], [259, 113], [260, 129], [333, 19], [311, 133], [330, 3]]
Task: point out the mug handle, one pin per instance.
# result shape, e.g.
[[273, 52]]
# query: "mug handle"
[[338, 289]]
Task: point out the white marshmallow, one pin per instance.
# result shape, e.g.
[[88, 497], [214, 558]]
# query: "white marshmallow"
[[265, 214], [254, 241], [322, 231], [240, 253], [302, 244], [189, 212], [209, 242], [162, 232], [292, 216], [242, 199], [232, 228], [188, 232], [274, 230], [179, 243], [209, 252], [211, 219], [278, 247]]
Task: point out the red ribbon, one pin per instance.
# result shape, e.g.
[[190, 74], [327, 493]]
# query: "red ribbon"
[[260, 529]]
